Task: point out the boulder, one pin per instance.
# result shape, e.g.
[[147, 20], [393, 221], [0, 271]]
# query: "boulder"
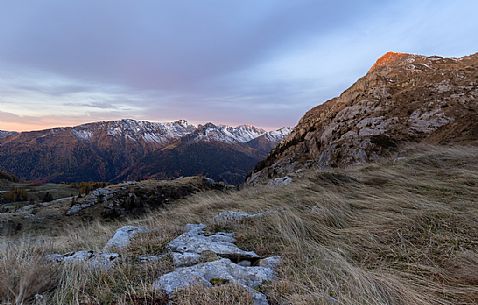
[[95, 260], [123, 236]]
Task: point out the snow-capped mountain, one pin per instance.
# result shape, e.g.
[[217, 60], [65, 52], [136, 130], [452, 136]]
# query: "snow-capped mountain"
[[166, 132], [210, 132], [278, 135], [149, 132], [129, 149]]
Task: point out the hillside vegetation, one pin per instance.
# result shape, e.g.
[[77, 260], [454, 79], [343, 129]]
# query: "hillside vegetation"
[[401, 231]]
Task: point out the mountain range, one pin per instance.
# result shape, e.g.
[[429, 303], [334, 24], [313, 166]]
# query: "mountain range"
[[130, 149], [404, 98]]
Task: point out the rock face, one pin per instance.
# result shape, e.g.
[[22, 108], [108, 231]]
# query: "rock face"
[[403, 98]]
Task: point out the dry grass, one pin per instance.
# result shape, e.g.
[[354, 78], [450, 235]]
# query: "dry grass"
[[24, 273], [222, 294], [397, 232]]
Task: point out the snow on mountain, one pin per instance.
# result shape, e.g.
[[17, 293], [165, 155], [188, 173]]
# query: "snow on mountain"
[[4, 134], [133, 130], [279, 134], [166, 132], [210, 132]]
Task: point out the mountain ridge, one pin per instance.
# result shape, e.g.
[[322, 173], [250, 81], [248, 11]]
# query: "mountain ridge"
[[103, 151], [403, 98]]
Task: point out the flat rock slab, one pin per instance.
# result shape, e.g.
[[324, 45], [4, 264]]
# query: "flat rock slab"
[[123, 236], [95, 260], [191, 244], [223, 269]]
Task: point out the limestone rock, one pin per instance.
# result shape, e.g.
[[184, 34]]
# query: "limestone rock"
[[280, 181], [95, 260], [150, 258], [270, 262], [185, 259], [123, 236], [194, 242], [223, 269]]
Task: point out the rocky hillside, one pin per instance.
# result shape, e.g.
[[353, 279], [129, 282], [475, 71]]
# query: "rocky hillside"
[[228, 156], [403, 98], [115, 150]]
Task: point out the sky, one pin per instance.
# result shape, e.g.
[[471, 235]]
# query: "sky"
[[63, 63]]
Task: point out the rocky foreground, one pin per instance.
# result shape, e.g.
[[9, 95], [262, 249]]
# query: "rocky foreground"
[[233, 265]]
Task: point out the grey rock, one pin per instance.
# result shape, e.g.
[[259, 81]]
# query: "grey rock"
[[280, 181], [194, 241], [228, 216], [185, 259], [123, 236], [150, 258], [94, 197], [95, 260], [270, 262], [224, 269]]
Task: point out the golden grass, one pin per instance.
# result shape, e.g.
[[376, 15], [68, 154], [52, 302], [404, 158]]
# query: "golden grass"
[[397, 232]]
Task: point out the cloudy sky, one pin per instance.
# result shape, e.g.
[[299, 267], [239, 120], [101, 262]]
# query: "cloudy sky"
[[261, 62]]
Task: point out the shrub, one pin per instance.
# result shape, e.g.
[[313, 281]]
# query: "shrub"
[[16, 194]]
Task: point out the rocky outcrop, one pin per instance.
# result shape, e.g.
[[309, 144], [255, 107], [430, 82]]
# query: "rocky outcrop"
[[97, 196], [403, 98], [234, 265], [188, 247], [223, 270], [135, 198]]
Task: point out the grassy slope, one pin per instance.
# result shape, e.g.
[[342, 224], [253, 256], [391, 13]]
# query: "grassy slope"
[[399, 232]]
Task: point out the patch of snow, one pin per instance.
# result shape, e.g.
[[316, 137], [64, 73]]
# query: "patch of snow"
[[4, 134], [82, 134]]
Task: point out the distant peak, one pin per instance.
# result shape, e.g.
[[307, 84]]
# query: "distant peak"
[[388, 58]]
